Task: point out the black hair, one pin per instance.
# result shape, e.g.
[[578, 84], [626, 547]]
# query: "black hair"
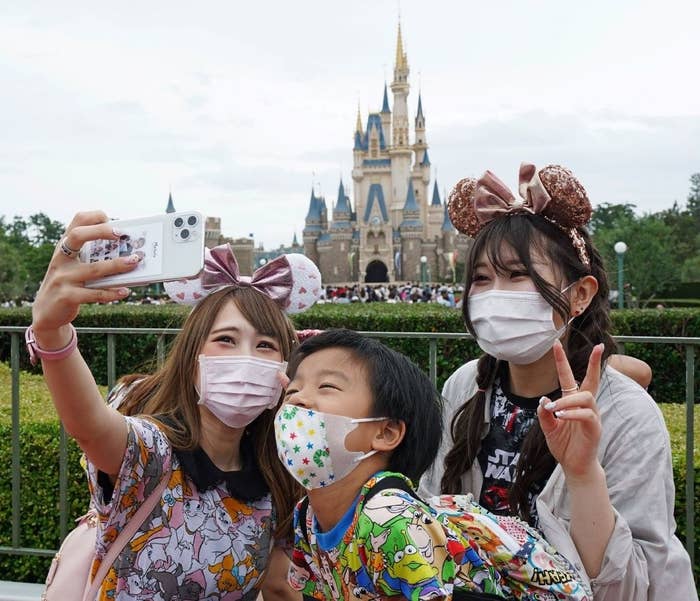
[[529, 235], [400, 391]]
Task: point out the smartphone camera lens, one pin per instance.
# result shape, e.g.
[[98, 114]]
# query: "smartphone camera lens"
[[178, 222], [185, 234], [191, 220]]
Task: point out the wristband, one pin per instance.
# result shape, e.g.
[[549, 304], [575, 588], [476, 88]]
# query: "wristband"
[[36, 353]]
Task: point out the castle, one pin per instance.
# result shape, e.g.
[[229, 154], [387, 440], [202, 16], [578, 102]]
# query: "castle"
[[397, 230]]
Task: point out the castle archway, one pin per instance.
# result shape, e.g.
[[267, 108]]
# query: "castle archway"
[[376, 272]]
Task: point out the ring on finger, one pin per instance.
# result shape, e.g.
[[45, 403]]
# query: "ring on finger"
[[67, 250], [568, 390]]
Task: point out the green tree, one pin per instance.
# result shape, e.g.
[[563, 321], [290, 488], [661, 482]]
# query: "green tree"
[[608, 216], [651, 263], [26, 247]]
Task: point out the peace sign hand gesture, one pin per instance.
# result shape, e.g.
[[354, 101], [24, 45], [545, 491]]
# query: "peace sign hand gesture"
[[571, 425]]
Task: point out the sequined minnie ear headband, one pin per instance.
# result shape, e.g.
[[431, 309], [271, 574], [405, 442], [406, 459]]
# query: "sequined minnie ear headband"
[[293, 281], [553, 193]]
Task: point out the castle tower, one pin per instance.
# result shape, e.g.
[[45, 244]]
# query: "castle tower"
[[312, 228], [386, 115], [171, 207], [435, 214], [400, 151], [421, 166], [411, 232]]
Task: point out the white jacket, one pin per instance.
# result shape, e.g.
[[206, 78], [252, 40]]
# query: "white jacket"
[[644, 561]]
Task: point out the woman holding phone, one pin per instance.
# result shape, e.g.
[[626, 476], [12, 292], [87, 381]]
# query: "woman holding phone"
[[203, 423]]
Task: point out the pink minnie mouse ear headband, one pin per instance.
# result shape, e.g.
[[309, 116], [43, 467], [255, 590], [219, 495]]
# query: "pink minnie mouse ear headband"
[[292, 281], [554, 193]]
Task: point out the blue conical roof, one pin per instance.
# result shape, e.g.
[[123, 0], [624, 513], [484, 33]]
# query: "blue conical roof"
[[342, 205], [411, 204], [436, 195], [446, 222], [419, 114], [385, 103], [314, 207], [171, 207]]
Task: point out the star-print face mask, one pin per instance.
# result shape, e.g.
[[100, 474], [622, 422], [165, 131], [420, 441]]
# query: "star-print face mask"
[[311, 445]]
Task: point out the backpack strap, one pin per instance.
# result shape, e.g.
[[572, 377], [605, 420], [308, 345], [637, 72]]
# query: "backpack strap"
[[383, 484], [125, 536]]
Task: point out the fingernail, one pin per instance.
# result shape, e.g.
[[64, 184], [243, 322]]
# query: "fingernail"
[[551, 405], [543, 401], [123, 291], [133, 259], [559, 413], [116, 231]]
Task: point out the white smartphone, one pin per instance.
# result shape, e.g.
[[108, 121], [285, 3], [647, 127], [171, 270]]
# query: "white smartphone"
[[171, 246]]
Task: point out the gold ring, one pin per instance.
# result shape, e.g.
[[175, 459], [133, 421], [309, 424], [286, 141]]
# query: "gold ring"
[[67, 250]]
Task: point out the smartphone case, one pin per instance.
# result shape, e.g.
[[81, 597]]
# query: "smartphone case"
[[171, 247]]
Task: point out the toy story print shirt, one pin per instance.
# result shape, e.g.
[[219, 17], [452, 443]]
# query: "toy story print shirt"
[[392, 545]]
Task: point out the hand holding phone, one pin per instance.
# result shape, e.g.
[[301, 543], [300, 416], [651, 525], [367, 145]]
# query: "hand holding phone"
[[170, 246]]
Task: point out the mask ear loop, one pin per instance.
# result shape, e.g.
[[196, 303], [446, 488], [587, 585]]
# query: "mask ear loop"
[[364, 420]]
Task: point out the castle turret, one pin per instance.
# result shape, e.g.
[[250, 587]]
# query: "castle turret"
[[435, 214], [312, 228], [171, 207], [386, 115], [401, 152]]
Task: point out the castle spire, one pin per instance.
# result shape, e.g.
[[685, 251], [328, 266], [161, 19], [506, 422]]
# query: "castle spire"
[[385, 102], [171, 207], [401, 59], [436, 194], [358, 125]]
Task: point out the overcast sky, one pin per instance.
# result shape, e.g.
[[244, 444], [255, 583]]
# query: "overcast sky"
[[234, 106]]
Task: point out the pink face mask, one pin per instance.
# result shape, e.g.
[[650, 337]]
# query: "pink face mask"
[[238, 389]]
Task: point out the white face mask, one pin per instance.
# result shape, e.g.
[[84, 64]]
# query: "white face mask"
[[311, 445], [237, 389], [513, 326]]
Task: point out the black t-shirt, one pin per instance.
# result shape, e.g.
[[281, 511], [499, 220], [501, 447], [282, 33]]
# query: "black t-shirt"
[[512, 416]]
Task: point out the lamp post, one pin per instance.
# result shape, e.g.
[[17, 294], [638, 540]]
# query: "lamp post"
[[423, 267], [620, 250], [262, 261]]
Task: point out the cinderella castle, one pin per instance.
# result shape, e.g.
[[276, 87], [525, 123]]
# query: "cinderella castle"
[[397, 230]]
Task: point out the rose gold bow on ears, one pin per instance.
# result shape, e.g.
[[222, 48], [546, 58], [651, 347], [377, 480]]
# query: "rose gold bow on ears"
[[492, 198]]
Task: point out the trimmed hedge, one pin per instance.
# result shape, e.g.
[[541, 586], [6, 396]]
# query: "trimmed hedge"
[[39, 454], [138, 353]]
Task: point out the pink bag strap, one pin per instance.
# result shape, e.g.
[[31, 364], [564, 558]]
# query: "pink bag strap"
[[125, 536]]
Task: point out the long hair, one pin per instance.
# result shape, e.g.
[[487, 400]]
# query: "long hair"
[[170, 393], [400, 391], [530, 237]]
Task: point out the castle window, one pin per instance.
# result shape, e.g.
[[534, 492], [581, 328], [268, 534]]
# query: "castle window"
[[335, 270], [410, 245], [342, 246]]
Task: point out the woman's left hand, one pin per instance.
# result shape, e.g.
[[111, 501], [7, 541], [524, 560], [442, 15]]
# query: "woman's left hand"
[[571, 425]]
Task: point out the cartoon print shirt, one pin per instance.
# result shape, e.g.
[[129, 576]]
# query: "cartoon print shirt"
[[195, 545], [391, 546], [512, 417]]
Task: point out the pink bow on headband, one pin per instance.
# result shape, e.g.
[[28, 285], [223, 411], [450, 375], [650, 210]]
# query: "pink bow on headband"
[[492, 197], [274, 279]]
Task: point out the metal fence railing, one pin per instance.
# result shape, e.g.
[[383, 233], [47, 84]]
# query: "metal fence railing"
[[16, 333]]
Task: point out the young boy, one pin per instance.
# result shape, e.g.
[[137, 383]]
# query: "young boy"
[[360, 422]]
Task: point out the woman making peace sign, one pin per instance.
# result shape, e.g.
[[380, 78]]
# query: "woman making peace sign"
[[589, 464]]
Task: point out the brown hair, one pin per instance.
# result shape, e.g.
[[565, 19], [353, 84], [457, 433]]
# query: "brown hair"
[[527, 235], [170, 392]]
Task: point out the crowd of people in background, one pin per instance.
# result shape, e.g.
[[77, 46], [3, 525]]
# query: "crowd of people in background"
[[442, 294]]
